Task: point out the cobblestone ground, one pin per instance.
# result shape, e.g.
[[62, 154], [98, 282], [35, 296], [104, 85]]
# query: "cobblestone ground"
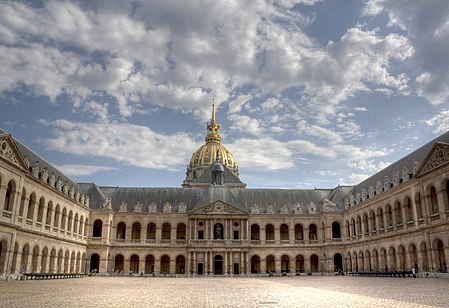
[[303, 291]]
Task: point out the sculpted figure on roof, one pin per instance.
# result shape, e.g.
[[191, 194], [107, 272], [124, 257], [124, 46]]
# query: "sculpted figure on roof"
[[138, 207], [123, 207], [152, 207], [297, 208], [255, 208]]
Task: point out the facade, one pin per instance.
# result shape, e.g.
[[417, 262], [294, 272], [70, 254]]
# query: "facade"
[[396, 220]]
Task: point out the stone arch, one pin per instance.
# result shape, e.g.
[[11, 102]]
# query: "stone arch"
[[314, 263], [3, 255], [271, 264], [151, 231], [255, 233], [166, 231], [34, 260], [60, 261], [380, 217], [255, 264], [75, 224], [94, 263], [285, 264], [81, 226], [72, 262], [299, 232], [269, 232], [299, 262], [86, 226], [70, 221], [15, 256], [402, 258], [40, 210], [418, 205], [49, 213], [44, 259], [424, 256], [119, 264], [284, 232], [383, 259], [24, 259], [440, 256], [338, 262], [57, 216], [180, 265], [134, 264], [9, 196], [149, 264], [361, 261], [165, 264], [372, 217], [22, 202], [53, 260], [181, 233], [393, 259], [376, 266], [336, 230], [135, 231], [63, 218], [413, 256], [348, 229], [365, 222], [359, 225], [433, 200], [121, 231], [349, 262], [368, 263], [66, 261], [31, 205], [389, 214], [313, 233], [408, 210], [398, 213]]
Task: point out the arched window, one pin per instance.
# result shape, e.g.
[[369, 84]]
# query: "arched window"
[[135, 232], [64, 219], [271, 265], [284, 232], [166, 231], [70, 222], [22, 202], [314, 263], [31, 205], [419, 211], [9, 196], [409, 210], [336, 232], [389, 213], [269, 231], [121, 231], [434, 200], [366, 224], [255, 232], [373, 220], [40, 211], [398, 213], [49, 213], [98, 228], [313, 234], [299, 232], [134, 264], [181, 231], [151, 231], [380, 218]]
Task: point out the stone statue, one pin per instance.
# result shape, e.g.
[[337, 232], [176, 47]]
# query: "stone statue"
[[35, 170], [167, 207], [107, 204], [284, 208], [182, 207], [123, 207], [255, 208], [152, 207], [270, 209], [44, 175], [138, 207]]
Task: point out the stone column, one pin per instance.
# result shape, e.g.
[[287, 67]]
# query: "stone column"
[[263, 266], [263, 235], [277, 235], [172, 267], [291, 235], [194, 263], [241, 262], [226, 262], [441, 203]]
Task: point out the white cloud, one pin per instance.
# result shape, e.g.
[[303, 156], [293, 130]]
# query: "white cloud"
[[262, 153], [426, 22], [236, 104], [319, 132], [440, 122], [243, 123], [270, 103], [130, 144], [80, 170]]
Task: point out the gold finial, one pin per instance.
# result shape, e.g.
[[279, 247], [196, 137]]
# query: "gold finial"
[[213, 128], [213, 110]]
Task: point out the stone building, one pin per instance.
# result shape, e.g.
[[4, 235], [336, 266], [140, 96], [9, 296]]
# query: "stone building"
[[395, 220]]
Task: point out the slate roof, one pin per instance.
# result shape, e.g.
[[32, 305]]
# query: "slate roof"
[[407, 161], [33, 158]]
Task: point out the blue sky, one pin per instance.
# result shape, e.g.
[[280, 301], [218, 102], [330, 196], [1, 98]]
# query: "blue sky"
[[308, 93]]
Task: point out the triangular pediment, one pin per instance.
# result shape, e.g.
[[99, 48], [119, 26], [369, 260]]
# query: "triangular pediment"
[[437, 157], [218, 207], [10, 152]]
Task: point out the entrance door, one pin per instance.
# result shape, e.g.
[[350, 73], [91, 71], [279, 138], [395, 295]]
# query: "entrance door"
[[200, 269], [218, 265], [236, 269]]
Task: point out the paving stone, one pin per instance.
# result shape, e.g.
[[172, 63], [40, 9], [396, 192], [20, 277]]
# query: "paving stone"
[[303, 291]]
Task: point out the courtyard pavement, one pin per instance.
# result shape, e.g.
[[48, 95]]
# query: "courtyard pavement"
[[302, 291]]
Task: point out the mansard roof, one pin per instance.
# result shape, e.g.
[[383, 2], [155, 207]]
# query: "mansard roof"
[[198, 197], [205, 179], [411, 162], [28, 155]]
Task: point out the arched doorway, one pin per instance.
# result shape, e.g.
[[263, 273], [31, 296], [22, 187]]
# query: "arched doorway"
[[271, 265], [119, 264], [218, 265], [165, 264], [314, 263], [3, 251], [285, 264], [149, 264], [94, 263], [300, 264], [338, 262], [440, 257], [134, 264], [180, 265], [255, 265]]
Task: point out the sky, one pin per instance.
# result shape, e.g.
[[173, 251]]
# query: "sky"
[[309, 93]]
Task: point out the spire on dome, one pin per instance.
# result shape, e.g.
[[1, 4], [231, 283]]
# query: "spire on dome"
[[213, 128]]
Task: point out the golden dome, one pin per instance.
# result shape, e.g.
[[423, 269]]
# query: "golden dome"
[[210, 152]]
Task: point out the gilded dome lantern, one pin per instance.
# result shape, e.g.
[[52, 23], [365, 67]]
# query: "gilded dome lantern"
[[209, 153]]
